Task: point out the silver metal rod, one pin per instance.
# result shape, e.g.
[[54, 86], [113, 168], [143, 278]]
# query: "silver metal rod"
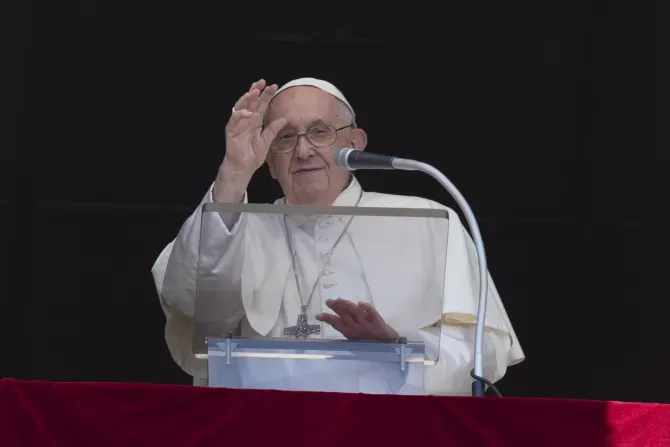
[[412, 165]]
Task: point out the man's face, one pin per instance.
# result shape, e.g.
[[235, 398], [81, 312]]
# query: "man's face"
[[307, 174]]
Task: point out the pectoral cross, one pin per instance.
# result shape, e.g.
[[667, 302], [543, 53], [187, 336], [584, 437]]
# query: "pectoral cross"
[[302, 327]]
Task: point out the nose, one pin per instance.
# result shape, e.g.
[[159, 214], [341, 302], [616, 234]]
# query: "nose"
[[303, 148]]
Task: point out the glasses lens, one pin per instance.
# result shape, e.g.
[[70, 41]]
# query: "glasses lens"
[[322, 135], [284, 141]]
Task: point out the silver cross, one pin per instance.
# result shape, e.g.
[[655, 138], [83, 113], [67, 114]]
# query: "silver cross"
[[302, 328]]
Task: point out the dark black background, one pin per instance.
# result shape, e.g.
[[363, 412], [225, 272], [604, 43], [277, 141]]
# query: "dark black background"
[[545, 115]]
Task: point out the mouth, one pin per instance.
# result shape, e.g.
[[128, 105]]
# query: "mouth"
[[306, 170]]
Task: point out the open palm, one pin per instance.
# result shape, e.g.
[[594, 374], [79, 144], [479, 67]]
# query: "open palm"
[[247, 143]]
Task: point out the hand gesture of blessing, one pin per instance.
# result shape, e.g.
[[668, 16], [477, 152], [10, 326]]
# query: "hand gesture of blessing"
[[247, 143]]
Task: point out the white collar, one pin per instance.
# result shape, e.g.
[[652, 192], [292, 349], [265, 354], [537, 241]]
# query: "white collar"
[[349, 197]]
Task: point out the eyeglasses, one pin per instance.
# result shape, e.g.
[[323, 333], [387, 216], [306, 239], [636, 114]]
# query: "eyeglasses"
[[320, 135]]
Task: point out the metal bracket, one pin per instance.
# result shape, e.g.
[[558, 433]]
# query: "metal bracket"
[[229, 348], [402, 341]]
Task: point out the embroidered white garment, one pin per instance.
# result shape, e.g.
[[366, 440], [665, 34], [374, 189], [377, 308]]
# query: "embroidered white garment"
[[250, 265]]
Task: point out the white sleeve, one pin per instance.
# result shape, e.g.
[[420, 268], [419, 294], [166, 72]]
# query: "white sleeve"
[[176, 275], [451, 374]]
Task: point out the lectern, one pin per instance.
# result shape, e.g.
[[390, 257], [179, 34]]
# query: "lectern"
[[255, 319]]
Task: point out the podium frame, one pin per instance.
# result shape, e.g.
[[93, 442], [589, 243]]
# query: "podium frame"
[[315, 210], [224, 353], [406, 352]]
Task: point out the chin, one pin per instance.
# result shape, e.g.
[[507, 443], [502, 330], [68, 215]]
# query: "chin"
[[313, 188], [309, 193]]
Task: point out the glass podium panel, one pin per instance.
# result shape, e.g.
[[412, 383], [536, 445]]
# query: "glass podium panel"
[[366, 269], [316, 365]]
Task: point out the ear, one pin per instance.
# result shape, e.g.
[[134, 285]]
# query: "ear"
[[359, 139]]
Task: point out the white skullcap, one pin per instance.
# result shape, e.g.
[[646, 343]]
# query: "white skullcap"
[[323, 85]]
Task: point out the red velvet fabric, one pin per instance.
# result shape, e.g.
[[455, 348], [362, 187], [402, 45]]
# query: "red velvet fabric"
[[108, 414]]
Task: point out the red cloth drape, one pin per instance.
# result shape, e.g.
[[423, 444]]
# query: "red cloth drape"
[[125, 415]]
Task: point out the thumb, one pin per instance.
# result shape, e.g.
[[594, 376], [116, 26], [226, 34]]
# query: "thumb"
[[272, 130]]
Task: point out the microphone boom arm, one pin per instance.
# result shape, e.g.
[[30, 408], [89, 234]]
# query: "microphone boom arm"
[[402, 164]]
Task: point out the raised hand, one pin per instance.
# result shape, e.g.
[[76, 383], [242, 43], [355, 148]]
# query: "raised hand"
[[358, 321], [247, 143]]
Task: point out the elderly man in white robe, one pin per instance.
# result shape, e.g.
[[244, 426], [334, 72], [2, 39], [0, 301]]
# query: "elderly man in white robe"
[[296, 130]]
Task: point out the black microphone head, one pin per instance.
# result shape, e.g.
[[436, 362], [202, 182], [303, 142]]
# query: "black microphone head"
[[341, 158]]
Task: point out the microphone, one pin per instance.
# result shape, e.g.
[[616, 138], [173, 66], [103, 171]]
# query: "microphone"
[[353, 159]]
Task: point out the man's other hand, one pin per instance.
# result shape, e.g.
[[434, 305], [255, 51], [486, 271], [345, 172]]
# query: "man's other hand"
[[358, 321]]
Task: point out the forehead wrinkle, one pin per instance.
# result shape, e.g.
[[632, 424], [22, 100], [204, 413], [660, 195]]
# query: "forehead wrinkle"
[[319, 104]]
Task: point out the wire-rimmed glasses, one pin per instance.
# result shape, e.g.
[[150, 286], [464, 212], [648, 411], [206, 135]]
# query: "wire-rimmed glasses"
[[320, 135]]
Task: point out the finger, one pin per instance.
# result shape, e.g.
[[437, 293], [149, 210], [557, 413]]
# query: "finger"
[[351, 315], [248, 100], [336, 323], [327, 318], [372, 314], [260, 103], [237, 116], [356, 313], [272, 129], [379, 327], [252, 101], [337, 304], [346, 317], [376, 323], [264, 100], [258, 85]]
